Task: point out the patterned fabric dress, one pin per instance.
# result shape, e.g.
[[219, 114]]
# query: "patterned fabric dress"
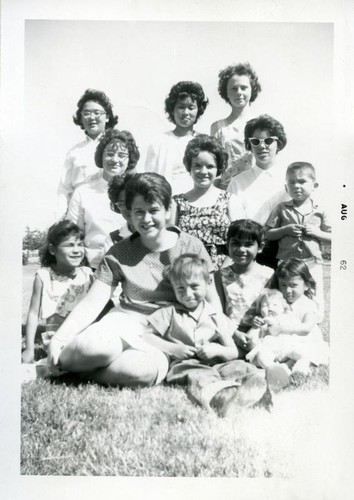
[[209, 224]]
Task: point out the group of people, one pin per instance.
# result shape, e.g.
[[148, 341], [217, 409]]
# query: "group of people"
[[184, 280]]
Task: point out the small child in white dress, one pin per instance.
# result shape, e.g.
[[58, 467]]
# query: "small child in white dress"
[[59, 285], [288, 331]]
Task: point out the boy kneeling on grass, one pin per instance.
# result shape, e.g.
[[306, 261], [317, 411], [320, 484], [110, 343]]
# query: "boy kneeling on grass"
[[198, 342]]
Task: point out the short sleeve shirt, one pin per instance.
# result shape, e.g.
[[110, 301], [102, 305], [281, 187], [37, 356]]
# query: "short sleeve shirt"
[[306, 246], [176, 323], [141, 272]]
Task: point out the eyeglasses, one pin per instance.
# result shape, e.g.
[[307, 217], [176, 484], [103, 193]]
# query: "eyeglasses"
[[265, 142], [96, 113]]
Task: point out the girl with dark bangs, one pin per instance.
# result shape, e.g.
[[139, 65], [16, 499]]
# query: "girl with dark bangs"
[[240, 284], [184, 105]]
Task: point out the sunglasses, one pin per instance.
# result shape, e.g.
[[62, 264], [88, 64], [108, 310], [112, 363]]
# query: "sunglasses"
[[267, 142]]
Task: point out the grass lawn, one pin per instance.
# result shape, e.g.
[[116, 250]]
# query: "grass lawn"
[[69, 428]]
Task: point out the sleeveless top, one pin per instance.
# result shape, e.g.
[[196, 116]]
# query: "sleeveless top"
[[209, 224], [60, 293]]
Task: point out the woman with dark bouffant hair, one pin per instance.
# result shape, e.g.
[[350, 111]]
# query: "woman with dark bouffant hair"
[[262, 187], [206, 211], [90, 208], [184, 105], [239, 87], [112, 350], [94, 114]]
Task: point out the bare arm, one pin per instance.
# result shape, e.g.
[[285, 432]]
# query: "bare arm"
[[32, 320], [220, 290], [173, 219], [86, 311], [212, 297], [277, 233], [174, 349], [294, 327], [317, 233]]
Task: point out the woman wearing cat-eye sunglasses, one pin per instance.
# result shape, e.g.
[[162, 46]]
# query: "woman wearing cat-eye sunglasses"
[[261, 187]]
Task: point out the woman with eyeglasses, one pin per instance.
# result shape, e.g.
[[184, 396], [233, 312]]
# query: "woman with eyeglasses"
[[262, 187], [90, 208], [94, 114]]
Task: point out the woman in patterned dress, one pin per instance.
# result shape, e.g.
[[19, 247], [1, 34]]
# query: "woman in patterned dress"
[[206, 211]]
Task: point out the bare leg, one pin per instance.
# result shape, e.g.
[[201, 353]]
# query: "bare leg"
[[131, 369]]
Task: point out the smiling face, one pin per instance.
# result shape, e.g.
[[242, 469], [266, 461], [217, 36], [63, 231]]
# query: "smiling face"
[[264, 154], [68, 254], [239, 91], [93, 119], [191, 291], [243, 253], [300, 185], [185, 112], [204, 170], [149, 219], [292, 288], [115, 159]]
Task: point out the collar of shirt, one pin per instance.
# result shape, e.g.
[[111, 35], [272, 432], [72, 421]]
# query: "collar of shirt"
[[96, 139], [290, 203], [273, 171], [207, 310]]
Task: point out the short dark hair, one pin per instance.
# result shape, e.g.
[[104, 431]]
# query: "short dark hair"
[[268, 123], [182, 90], [55, 235], [114, 135], [240, 70], [245, 230], [99, 97], [292, 268], [115, 186], [151, 186], [184, 265], [301, 165], [207, 143]]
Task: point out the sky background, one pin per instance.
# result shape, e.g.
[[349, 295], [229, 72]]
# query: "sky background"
[[136, 63]]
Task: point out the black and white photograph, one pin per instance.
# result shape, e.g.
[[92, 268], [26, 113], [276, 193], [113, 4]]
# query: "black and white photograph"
[[176, 310]]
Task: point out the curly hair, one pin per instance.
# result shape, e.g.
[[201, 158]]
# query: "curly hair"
[[268, 123], [240, 70], [294, 268], [207, 143], [57, 233], [246, 230], [99, 97], [151, 187], [268, 293], [182, 90], [114, 135]]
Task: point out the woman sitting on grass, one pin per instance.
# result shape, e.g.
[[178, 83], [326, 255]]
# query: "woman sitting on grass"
[[111, 351], [59, 285]]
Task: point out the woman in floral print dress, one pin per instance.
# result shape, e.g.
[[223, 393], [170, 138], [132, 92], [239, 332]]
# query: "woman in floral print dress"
[[206, 211]]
